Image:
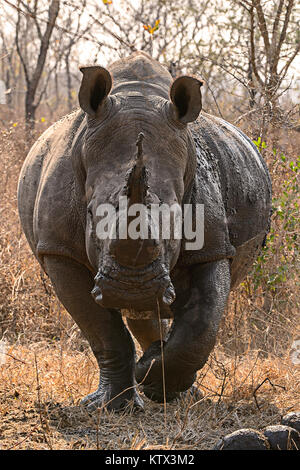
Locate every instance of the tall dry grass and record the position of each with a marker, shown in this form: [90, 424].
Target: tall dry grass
[254, 342]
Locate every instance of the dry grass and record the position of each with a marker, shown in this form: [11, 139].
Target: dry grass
[48, 365]
[42, 385]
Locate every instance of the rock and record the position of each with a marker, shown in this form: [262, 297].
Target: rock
[292, 419]
[243, 439]
[282, 437]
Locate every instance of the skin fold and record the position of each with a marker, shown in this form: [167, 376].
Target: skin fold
[138, 134]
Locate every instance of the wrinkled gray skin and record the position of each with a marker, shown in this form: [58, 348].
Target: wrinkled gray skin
[91, 157]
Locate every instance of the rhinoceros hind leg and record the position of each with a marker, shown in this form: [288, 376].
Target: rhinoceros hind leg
[147, 331]
[104, 329]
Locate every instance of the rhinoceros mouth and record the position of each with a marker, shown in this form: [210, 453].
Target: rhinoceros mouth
[134, 289]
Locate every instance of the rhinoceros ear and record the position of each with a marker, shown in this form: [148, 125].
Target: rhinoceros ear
[95, 87]
[185, 95]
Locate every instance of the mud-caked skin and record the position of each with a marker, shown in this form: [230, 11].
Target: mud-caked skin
[140, 135]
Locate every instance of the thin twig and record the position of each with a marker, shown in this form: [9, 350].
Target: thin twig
[245, 115]
[190, 406]
[25, 438]
[162, 364]
[40, 403]
[13, 357]
[265, 380]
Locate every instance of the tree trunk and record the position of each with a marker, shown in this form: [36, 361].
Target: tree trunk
[30, 110]
[69, 83]
[33, 79]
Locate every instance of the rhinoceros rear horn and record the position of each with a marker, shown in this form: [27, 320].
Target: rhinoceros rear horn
[185, 95]
[95, 87]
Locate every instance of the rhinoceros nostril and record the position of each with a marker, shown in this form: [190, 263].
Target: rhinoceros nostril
[169, 295]
[97, 294]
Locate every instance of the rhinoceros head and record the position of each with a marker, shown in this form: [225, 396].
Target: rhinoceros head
[136, 154]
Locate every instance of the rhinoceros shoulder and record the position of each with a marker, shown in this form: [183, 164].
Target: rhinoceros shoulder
[46, 199]
[233, 183]
[244, 179]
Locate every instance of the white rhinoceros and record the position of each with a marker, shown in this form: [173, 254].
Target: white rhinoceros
[142, 137]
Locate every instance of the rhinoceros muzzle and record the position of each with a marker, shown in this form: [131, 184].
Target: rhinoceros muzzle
[132, 289]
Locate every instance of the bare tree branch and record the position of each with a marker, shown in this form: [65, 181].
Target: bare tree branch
[282, 35]
[262, 24]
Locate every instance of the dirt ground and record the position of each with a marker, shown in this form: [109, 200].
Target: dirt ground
[40, 390]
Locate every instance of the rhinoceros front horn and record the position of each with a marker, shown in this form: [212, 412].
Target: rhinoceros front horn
[95, 87]
[132, 252]
[137, 185]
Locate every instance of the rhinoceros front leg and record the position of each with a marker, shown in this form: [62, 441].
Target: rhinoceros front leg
[105, 331]
[196, 320]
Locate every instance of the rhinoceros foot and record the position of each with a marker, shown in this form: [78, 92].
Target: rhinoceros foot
[127, 401]
[161, 383]
[193, 393]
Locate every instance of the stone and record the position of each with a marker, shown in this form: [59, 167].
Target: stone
[292, 419]
[282, 437]
[243, 439]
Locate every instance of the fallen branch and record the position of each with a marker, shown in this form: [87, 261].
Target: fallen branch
[13, 357]
[23, 440]
[258, 387]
